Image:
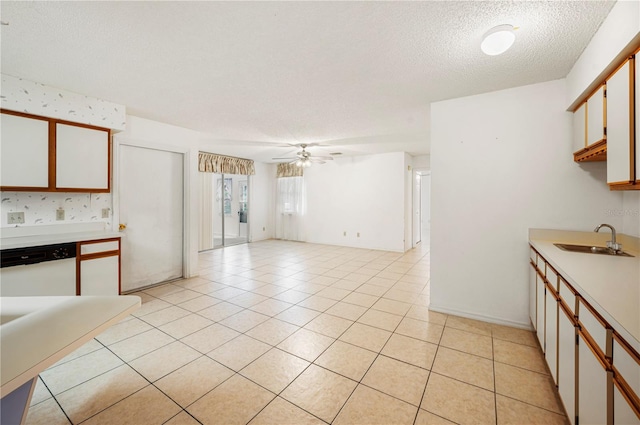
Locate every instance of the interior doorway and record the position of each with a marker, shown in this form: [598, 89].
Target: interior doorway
[151, 214]
[224, 215]
[421, 207]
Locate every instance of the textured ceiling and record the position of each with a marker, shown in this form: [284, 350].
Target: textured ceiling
[355, 75]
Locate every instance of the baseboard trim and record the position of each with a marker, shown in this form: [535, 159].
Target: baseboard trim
[480, 317]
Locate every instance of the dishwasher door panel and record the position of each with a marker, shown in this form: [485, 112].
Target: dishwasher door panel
[51, 278]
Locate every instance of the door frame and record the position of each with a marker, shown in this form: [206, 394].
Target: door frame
[417, 173]
[118, 141]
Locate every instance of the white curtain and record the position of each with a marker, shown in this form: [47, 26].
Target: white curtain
[291, 208]
[206, 211]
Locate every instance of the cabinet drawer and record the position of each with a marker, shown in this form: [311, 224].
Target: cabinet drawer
[594, 325]
[552, 278]
[542, 265]
[92, 248]
[567, 295]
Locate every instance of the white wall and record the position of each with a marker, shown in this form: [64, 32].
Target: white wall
[631, 213]
[618, 31]
[364, 194]
[422, 162]
[501, 164]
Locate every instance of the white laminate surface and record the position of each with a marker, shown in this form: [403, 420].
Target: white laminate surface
[611, 284]
[39, 331]
[49, 239]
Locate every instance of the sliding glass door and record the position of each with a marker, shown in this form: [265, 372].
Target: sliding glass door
[224, 210]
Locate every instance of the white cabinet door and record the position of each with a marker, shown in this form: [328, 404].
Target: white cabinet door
[623, 414]
[532, 295]
[24, 158]
[551, 334]
[82, 158]
[540, 311]
[595, 117]
[567, 363]
[99, 276]
[592, 387]
[579, 128]
[619, 140]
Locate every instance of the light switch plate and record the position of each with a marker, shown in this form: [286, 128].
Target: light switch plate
[59, 214]
[105, 213]
[15, 218]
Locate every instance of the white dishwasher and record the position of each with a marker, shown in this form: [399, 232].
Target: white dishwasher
[48, 270]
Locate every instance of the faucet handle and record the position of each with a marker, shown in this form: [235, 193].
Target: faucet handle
[614, 246]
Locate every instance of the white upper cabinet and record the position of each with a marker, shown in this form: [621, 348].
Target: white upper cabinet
[619, 131]
[579, 128]
[82, 158]
[24, 157]
[46, 155]
[595, 117]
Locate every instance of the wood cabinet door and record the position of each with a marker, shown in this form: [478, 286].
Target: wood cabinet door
[82, 158]
[579, 128]
[619, 135]
[540, 311]
[567, 362]
[551, 334]
[595, 117]
[532, 295]
[24, 160]
[592, 387]
[99, 276]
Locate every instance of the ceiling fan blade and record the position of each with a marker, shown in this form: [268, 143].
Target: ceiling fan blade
[288, 158]
[327, 158]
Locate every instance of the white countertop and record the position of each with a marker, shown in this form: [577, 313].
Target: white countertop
[609, 283]
[49, 239]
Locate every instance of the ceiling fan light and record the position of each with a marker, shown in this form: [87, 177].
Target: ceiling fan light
[498, 40]
[299, 163]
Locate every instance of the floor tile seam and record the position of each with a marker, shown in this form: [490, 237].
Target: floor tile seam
[563, 414]
[464, 382]
[155, 349]
[89, 379]
[59, 406]
[467, 331]
[166, 323]
[515, 342]
[434, 414]
[465, 352]
[176, 415]
[391, 395]
[114, 403]
[60, 362]
[542, 374]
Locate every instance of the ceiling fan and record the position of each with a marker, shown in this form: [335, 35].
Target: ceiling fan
[303, 158]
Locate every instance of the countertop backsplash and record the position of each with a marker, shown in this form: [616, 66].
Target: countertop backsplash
[40, 207]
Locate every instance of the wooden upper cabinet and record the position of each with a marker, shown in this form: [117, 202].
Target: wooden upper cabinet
[48, 155]
[589, 128]
[580, 128]
[82, 158]
[24, 156]
[596, 117]
[620, 134]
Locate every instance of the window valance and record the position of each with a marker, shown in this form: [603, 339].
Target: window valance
[213, 163]
[288, 170]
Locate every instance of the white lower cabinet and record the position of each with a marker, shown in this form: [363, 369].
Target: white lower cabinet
[567, 356]
[540, 310]
[551, 334]
[592, 387]
[596, 369]
[99, 276]
[532, 295]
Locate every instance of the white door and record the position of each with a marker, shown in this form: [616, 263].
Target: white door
[425, 209]
[151, 207]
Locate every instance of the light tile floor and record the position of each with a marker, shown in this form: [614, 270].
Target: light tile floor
[290, 333]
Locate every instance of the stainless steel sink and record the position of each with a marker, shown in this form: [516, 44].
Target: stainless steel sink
[588, 249]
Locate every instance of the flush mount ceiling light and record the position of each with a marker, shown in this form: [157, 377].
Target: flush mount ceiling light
[498, 40]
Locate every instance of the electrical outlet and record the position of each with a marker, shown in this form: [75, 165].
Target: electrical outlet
[358, 234]
[15, 218]
[105, 213]
[344, 233]
[59, 214]
[264, 229]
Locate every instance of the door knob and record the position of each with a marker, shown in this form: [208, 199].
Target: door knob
[122, 227]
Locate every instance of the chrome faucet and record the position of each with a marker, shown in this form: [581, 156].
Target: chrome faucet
[612, 244]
